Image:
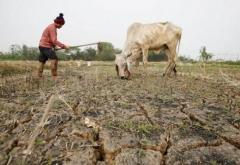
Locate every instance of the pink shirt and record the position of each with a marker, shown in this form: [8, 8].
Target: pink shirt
[49, 38]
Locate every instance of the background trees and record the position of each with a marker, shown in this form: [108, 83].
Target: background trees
[104, 52]
[204, 55]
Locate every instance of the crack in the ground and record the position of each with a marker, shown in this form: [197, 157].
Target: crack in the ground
[162, 147]
[168, 145]
[74, 107]
[200, 145]
[144, 111]
[194, 119]
[110, 157]
[12, 144]
[191, 116]
[232, 142]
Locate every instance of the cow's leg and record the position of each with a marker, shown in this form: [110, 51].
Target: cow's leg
[117, 70]
[137, 62]
[171, 68]
[173, 62]
[145, 57]
[174, 70]
[168, 53]
[166, 69]
[145, 60]
[171, 53]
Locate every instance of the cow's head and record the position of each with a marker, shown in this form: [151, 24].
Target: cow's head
[122, 66]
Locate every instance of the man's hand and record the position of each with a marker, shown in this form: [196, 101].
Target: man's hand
[66, 46]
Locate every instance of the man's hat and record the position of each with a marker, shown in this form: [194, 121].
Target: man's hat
[60, 20]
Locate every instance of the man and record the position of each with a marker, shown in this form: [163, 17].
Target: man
[48, 43]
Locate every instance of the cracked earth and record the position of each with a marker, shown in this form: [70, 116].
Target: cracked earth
[148, 120]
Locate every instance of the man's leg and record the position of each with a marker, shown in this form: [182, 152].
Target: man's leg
[54, 64]
[40, 69]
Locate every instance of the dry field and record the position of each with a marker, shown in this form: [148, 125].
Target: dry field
[90, 117]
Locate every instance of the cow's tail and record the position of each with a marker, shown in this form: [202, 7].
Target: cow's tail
[179, 41]
[178, 45]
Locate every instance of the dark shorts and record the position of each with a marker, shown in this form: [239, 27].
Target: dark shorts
[47, 53]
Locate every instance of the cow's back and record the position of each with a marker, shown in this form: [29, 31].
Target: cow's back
[150, 33]
[158, 33]
[151, 36]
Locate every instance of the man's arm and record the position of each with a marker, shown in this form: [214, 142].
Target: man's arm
[53, 38]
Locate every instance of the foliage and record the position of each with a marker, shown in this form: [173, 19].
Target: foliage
[155, 56]
[231, 62]
[17, 52]
[204, 55]
[186, 59]
[106, 52]
[88, 54]
[139, 128]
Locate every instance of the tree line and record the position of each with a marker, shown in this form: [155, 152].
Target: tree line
[24, 52]
[104, 52]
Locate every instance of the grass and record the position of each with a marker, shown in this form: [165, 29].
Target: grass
[20, 67]
[213, 162]
[39, 141]
[142, 129]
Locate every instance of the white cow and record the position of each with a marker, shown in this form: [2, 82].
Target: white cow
[144, 37]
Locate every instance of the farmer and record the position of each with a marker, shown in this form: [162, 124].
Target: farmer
[48, 43]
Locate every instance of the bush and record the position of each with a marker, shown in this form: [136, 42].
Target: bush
[186, 59]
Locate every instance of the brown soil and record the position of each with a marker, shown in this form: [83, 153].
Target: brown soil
[148, 120]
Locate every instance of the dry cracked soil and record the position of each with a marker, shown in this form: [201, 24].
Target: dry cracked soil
[148, 120]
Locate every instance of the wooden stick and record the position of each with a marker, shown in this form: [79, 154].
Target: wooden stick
[36, 132]
[79, 46]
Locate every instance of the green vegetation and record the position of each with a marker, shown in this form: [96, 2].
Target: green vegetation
[105, 52]
[17, 52]
[230, 62]
[204, 55]
[186, 59]
[153, 56]
[140, 128]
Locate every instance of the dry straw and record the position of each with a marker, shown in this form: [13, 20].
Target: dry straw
[38, 128]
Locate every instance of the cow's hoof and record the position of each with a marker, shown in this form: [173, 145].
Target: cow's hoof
[124, 78]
